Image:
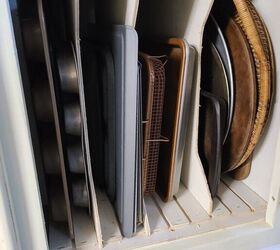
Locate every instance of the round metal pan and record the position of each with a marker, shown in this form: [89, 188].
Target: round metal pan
[216, 36]
[76, 158]
[67, 69]
[210, 140]
[72, 118]
[80, 193]
[214, 79]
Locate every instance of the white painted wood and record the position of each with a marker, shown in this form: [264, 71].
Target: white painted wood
[219, 224]
[108, 221]
[190, 205]
[252, 235]
[265, 153]
[156, 220]
[7, 230]
[231, 201]
[274, 198]
[172, 212]
[193, 175]
[84, 232]
[219, 209]
[254, 201]
[146, 222]
[131, 12]
[17, 159]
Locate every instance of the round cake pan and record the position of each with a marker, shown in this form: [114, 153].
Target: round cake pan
[76, 158]
[72, 119]
[80, 193]
[67, 70]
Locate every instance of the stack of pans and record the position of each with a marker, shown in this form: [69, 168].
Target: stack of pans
[72, 121]
[56, 104]
[44, 114]
[167, 72]
[237, 89]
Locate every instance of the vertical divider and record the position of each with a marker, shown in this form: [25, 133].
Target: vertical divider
[193, 175]
[146, 222]
[75, 21]
[131, 12]
[56, 117]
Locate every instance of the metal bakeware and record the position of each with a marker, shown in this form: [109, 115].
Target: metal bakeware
[125, 52]
[216, 36]
[183, 110]
[178, 73]
[72, 118]
[245, 108]
[261, 47]
[211, 137]
[213, 113]
[109, 114]
[67, 69]
[80, 192]
[75, 155]
[49, 60]
[153, 75]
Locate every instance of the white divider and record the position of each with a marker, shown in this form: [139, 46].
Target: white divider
[172, 212]
[146, 222]
[189, 204]
[74, 8]
[265, 153]
[117, 11]
[183, 19]
[156, 220]
[109, 223]
[193, 175]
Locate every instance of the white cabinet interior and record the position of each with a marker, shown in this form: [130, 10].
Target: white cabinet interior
[193, 211]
